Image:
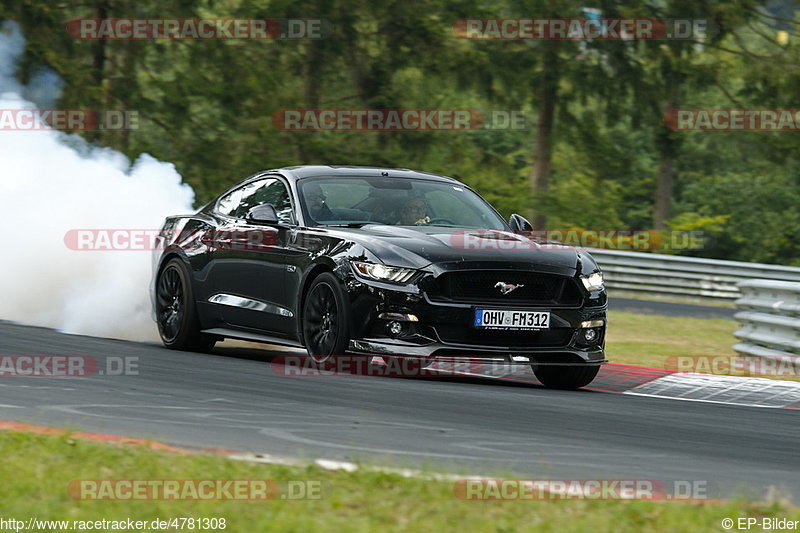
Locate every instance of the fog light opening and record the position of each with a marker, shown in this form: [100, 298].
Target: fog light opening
[590, 335]
[395, 328]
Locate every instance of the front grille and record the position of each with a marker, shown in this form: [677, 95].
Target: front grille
[480, 287]
[482, 337]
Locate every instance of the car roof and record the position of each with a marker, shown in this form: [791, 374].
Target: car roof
[333, 171]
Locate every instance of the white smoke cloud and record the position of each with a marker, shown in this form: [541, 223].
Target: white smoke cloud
[52, 182]
[44, 89]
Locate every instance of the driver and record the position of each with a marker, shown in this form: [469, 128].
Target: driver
[414, 212]
[315, 200]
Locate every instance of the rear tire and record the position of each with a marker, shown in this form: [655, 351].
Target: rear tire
[326, 319]
[566, 377]
[176, 312]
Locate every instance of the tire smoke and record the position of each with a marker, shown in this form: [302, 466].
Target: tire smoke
[52, 182]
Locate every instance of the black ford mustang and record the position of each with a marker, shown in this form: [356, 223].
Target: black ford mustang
[388, 262]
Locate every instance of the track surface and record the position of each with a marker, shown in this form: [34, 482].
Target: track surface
[654, 307]
[233, 399]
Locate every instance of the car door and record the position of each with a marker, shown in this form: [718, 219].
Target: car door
[250, 259]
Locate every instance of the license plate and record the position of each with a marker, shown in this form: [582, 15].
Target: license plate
[510, 319]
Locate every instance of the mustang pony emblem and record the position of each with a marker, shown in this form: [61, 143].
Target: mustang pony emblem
[505, 288]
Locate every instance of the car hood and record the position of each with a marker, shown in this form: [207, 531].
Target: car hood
[456, 248]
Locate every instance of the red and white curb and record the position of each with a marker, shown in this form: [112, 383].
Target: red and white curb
[732, 390]
[670, 384]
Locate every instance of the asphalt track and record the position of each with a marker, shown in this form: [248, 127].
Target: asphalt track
[234, 399]
[654, 307]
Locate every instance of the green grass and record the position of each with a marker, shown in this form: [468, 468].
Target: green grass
[650, 340]
[36, 470]
[647, 340]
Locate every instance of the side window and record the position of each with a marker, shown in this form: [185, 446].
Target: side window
[228, 203]
[266, 191]
[274, 192]
[250, 197]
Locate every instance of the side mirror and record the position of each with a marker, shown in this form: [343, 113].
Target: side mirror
[262, 214]
[519, 223]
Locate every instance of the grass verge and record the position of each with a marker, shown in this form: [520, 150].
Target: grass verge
[649, 340]
[36, 470]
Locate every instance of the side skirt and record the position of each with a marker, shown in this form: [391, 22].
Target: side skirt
[254, 337]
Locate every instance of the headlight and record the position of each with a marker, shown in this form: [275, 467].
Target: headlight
[593, 282]
[383, 272]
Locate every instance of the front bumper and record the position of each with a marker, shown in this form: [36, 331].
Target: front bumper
[444, 331]
[446, 352]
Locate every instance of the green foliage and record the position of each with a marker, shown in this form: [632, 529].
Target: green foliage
[207, 106]
[579, 197]
[749, 217]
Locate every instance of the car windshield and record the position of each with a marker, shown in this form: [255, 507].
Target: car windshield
[343, 201]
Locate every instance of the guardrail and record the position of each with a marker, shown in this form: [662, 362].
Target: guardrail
[770, 318]
[672, 275]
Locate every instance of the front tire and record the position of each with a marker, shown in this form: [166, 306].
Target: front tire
[326, 319]
[176, 313]
[565, 377]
